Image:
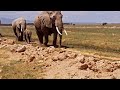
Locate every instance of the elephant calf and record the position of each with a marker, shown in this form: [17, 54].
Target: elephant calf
[27, 35]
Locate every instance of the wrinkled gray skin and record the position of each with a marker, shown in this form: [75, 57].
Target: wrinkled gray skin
[46, 23]
[27, 35]
[19, 25]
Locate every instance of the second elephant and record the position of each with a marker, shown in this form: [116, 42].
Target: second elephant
[49, 22]
[19, 25]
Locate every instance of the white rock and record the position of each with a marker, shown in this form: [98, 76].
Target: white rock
[21, 49]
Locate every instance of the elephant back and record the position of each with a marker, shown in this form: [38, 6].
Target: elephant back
[46, 21]
[43, 20]
[19, 23]
[37, 22]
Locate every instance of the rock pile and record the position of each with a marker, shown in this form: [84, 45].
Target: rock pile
[63, 63]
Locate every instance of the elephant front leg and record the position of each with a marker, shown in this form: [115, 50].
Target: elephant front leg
[55, 40]
[29, 38]
[60, 42]
[19, 34]
[46, 40]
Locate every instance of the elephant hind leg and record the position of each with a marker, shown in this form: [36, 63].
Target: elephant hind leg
[55, 40]
[40, 37]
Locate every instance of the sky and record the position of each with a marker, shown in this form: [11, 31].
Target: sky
[70, 16]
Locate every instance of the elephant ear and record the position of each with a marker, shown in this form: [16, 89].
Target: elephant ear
[46, 21]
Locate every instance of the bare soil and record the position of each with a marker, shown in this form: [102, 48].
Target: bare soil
[25, 61]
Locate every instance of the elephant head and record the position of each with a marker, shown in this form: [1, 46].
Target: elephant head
[57, 17]
[19, 25]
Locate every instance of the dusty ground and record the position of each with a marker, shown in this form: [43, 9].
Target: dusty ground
[30, 62]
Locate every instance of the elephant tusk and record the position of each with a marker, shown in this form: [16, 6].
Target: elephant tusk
[65, 32]
[21, 29]
[58, 30]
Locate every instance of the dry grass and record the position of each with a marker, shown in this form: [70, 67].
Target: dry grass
[99, 41]
[14, 69]
[96, 41]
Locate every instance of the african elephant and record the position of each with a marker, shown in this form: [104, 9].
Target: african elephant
[27, 35]
[19, 25]
[49, 22]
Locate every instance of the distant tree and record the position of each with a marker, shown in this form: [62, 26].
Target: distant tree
[104, 24]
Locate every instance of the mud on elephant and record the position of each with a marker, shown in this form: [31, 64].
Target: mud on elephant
[19, 25]
[47, 23]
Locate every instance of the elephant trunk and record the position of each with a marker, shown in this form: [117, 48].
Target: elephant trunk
[59, 31]
[59, 27]
[23, 26]
[21, 29]
[60, 42]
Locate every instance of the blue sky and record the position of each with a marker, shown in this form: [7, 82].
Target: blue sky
[70, 16]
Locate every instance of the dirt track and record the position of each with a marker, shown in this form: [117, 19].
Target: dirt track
[56, 63]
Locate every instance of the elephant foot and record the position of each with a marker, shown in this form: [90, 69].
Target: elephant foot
[56, 46]
[60, 46]
[45, 45]
[28, 42]
[41, 45]
[20, 39]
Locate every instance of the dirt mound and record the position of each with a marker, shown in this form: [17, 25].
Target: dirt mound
[59, 63]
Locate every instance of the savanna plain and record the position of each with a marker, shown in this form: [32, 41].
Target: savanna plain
[91, 51]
